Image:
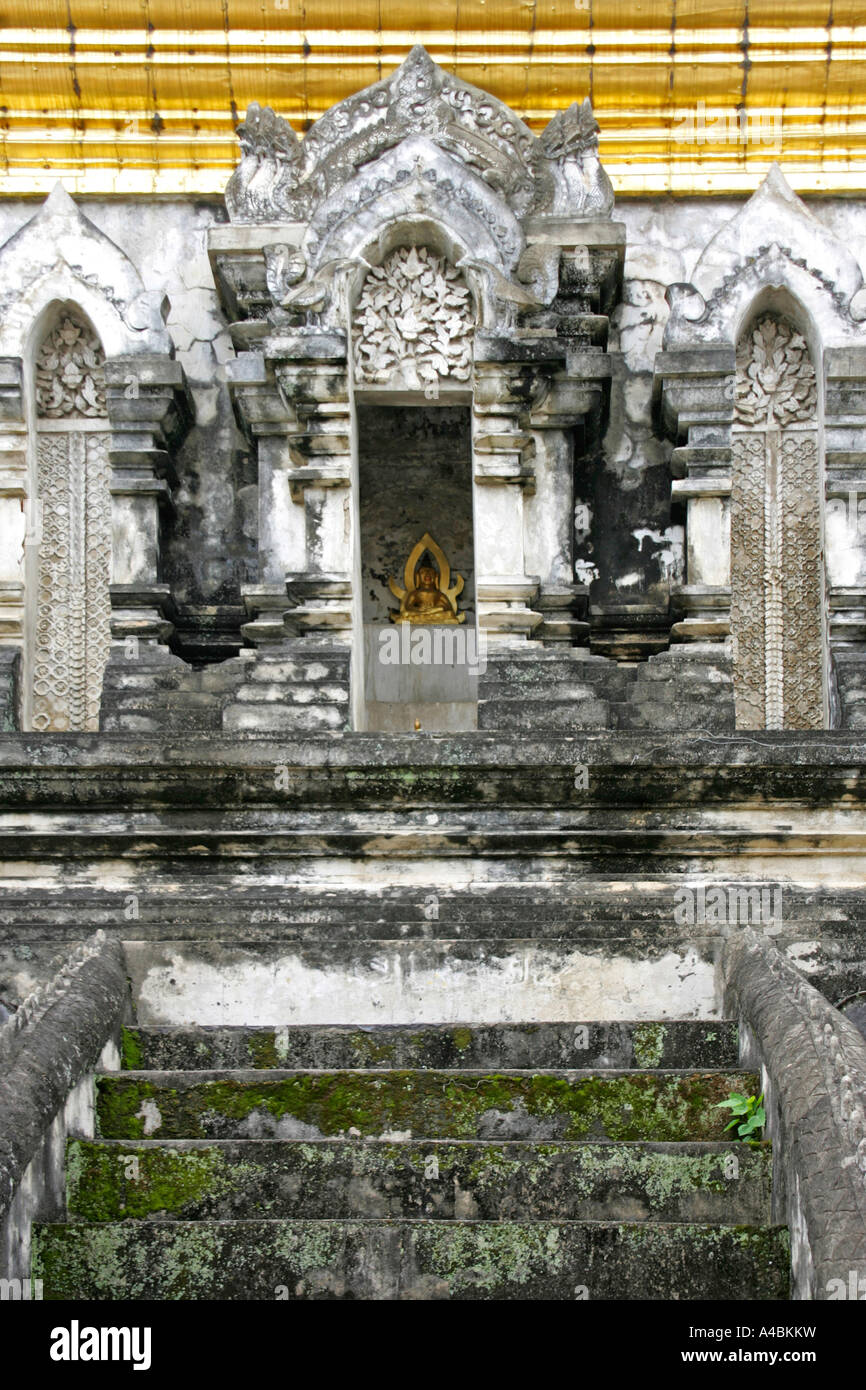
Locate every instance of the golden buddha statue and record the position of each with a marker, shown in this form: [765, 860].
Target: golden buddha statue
[427, 594]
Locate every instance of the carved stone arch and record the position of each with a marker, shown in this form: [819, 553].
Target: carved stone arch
[718, 319]
[772, 257]
[416, 179]
[774, 239]
[61, 255]
[419, 160]
[59, 263]
[435, 231]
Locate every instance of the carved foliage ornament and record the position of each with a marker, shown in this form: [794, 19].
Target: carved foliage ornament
[775, 377]
[69, 377]
[413, 321]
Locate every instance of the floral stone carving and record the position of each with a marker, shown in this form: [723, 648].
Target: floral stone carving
[69, 378]
[776, 584]
[414, 323]
[775, 377]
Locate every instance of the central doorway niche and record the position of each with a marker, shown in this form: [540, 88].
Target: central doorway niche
[415, 479]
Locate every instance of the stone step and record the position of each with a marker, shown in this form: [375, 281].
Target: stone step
[283, 718]
[541, 667]
[554, 691]
[524, 713]
[378, 1260]
[695, 1043]
[273, 671]
[669, 715]
[664, 1106]
[294, 693]
[727, 1184]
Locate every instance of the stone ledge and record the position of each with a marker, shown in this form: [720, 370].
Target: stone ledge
[814, 1064]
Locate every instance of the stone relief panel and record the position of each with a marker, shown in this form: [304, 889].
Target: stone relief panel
[776, 551]
[413, 325]
[775, 376]
[69, 378]
[73, 609]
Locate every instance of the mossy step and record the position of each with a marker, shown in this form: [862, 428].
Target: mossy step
[409, 1259]
[696, 1043]
[447, 1180]
[665, 1106]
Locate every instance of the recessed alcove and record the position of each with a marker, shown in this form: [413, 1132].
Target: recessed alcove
[415, 480]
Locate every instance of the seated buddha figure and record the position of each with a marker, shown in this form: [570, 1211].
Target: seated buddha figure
[426, 603]
[427, 594]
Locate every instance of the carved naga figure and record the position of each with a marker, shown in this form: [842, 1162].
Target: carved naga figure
[263, 185]
[570, 145]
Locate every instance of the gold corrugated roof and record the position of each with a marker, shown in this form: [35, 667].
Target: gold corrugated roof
[141, 96]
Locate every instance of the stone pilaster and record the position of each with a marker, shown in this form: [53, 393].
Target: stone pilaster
[16, 525]
[149, 411]
[694, 397]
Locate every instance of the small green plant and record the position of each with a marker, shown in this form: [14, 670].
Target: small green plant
[748, 1112]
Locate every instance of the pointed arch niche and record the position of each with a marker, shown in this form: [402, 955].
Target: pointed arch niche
[69, 624]
[777, 580]
[92, 405]
[760, 385]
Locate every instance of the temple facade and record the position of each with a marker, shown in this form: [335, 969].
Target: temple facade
[634, 434]
[432, 664]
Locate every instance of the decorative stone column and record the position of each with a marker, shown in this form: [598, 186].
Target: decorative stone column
[61, 269]
[13, 509]
[16, 527]
[149, 411]
[694, 391]
[293, 398]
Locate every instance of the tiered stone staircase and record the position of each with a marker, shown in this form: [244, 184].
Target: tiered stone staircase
[507, 1161]
[563, 691]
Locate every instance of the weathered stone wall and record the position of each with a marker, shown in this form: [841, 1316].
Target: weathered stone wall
[628, 544]
[209, 545]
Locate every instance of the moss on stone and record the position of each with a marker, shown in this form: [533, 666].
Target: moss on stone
[262, 1050]
[649, 1044]
[131, 1051]
[625, 1106]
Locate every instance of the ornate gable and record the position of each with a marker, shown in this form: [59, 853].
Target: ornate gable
[283, 178]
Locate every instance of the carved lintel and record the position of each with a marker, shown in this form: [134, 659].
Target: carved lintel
[414, 323]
